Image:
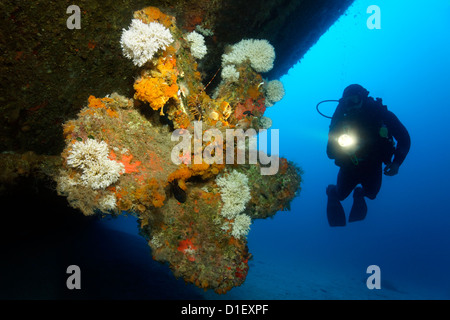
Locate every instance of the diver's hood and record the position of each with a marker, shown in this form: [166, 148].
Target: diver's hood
[344, 102]
[355, 89]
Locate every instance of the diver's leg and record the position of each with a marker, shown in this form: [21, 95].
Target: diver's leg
[335, 211]
[347, 180]
[371, 184]
[337, 193]
[359, 207]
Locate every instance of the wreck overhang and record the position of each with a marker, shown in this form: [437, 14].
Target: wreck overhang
[48, 70]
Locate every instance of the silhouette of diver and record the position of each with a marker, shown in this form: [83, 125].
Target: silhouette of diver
[361, 138]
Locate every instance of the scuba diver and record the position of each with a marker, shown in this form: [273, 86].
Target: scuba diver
[361, 138]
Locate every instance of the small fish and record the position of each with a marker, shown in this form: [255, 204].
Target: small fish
[177, 192]
[248, 113]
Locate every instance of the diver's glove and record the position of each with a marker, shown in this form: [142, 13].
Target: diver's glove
[391, 169]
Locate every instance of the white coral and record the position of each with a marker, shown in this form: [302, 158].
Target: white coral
[157, 240]
[83, 154]
[197, 42]
[241, 226]
[229, 73]
[65, 183]
[97, 170]
[107, 203]
[260, 53]
[274, 92]
[265, 122]
[235, 193]
[141, 41]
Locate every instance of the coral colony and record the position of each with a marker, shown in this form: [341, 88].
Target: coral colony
[195, 199]
[214, 151]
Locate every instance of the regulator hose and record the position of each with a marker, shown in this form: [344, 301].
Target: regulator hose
[317, 107]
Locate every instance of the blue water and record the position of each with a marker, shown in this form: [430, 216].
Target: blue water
[407, 230]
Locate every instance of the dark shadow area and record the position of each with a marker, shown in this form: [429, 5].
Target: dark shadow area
[41, 236]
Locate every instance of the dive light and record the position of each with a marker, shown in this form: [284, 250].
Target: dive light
[346, 140]
[348, 144]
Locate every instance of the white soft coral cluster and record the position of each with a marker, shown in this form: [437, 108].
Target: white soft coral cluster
[97, 170]
[235, 194]
[107, 203]
[197, 42]
[260, 53]
[141, 41]
[241, 226]
[229, 73]
[274, 91]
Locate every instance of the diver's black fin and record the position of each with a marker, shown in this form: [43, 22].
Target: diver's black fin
[359, 208]
[335, 211]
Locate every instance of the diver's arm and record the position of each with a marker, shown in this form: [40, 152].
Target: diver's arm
[400, 134]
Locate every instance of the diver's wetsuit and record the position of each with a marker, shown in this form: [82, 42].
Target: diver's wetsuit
[370, 154]
[363, 165]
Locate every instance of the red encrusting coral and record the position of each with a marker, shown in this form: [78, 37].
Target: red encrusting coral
[187, 248]
[186, 245]
[257, 108]
[126, 161]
